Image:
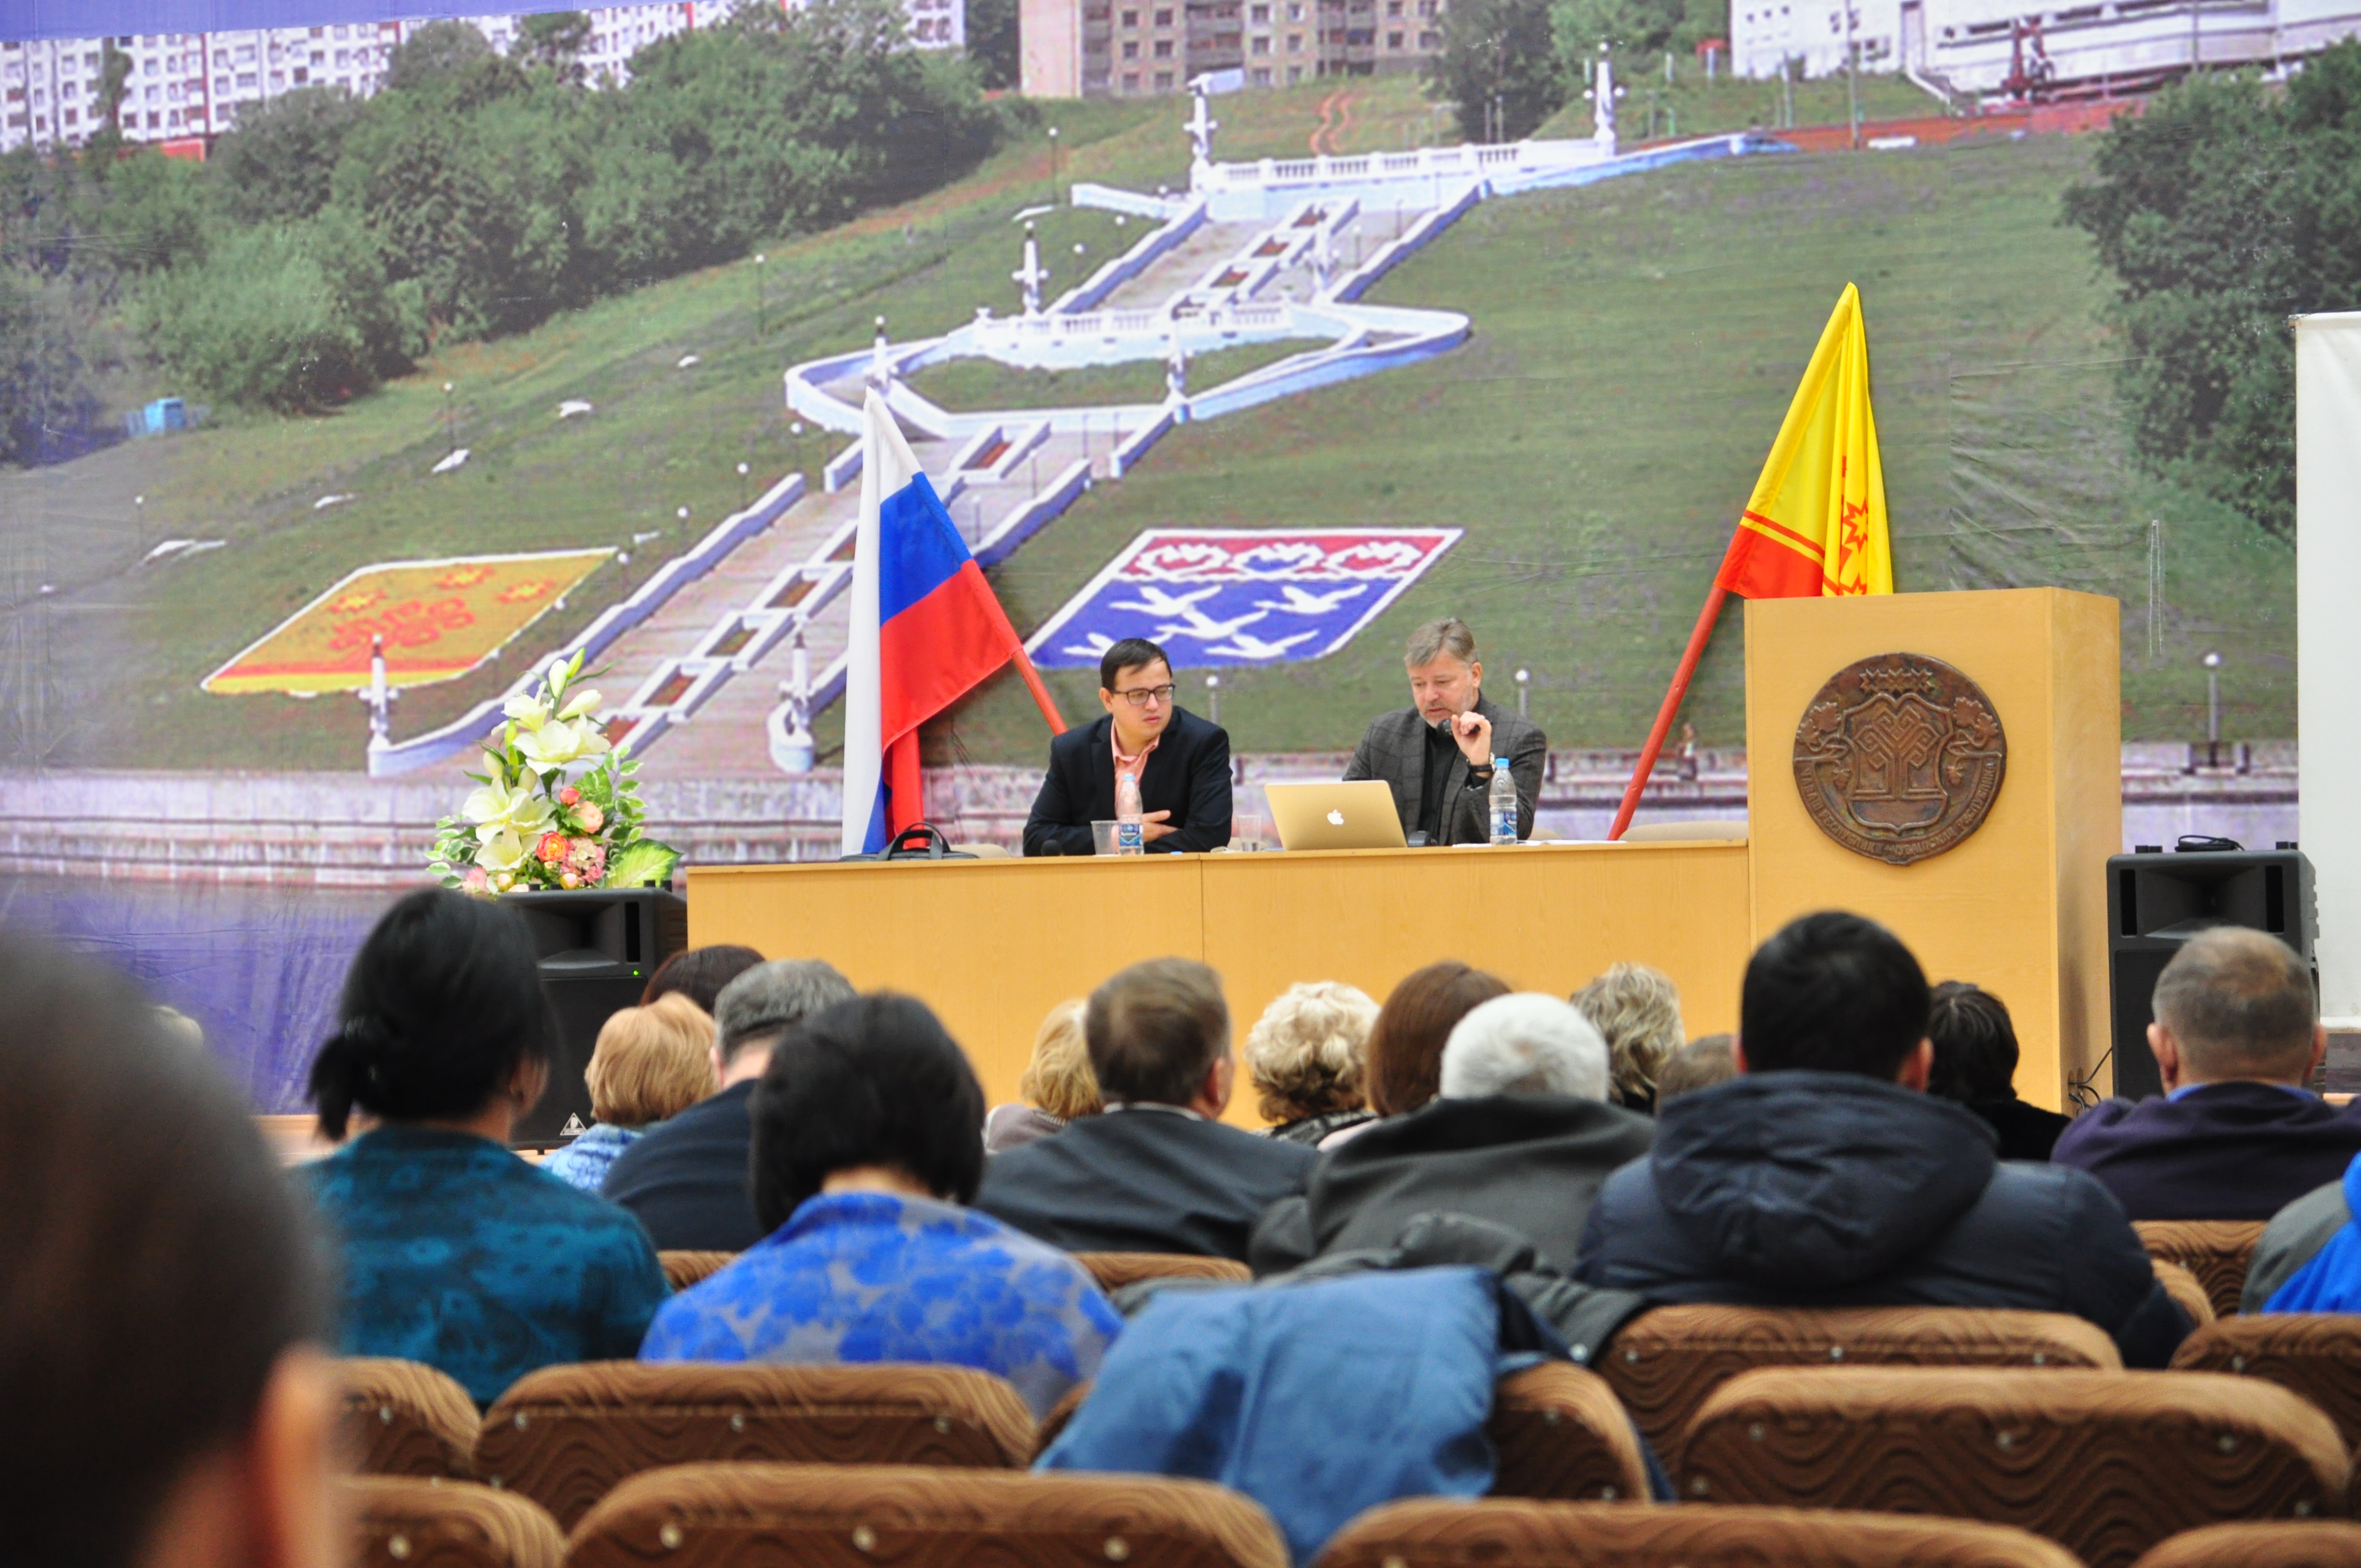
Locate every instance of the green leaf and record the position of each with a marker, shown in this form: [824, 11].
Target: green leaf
[644, 863]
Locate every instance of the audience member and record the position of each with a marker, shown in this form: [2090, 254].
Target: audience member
[865, 1153]
[1637, 1010]
[1821, 1176]
[2309, 1259]
[163, 1397]
[1702, 1063]
[456, 1252]
[1521, 1137]
[650, 1063]
[1975, 1064]
[2236, 1134]
[1404, 1054]
[688, 1179]
[1054, 1087]
[700, 974]
[1157, 1172]
[1303, 1057]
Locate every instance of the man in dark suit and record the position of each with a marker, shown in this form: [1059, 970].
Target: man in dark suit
[1157, 1172]
[1181, 762]
[2237, 1135]
[1438, 752]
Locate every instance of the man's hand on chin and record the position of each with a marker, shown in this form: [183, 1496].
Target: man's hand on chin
[1474, 733]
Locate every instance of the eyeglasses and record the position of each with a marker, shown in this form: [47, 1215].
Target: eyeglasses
[1138, 696]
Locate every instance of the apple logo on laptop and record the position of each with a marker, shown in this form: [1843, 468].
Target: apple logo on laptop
[1335, 819]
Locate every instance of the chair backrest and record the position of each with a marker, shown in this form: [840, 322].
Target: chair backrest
[405, 1522]
[2315, 1544]
[404, 1417]
[2106, 1464]
[1663, 1364]
[2216, 1251]
[2316, 1354]
[2185, 1289]
[564, 1436]
[1557, 1430]
[1433, 1533]
[1113, 1270]
[683, 1269]
[1560, 1433]
[721, 1516]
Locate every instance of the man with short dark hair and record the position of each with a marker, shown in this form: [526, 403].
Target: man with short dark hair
[1157, 1172]
[1438, 753]
[1824, 1176]
[687, 1178]
[1179, 762]
[2237, 1135]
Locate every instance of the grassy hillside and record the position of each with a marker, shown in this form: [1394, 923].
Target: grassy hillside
[1636, 342]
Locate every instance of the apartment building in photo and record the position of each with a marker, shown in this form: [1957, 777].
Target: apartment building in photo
[1128, 48]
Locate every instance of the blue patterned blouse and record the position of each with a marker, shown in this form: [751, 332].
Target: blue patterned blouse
[867, 1277]
[458, 1254]
[584, 1163]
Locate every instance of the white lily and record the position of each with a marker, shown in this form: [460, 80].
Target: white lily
[502, 850]
[496, 808]
[557, 743]
[530, 711]
[579, 704]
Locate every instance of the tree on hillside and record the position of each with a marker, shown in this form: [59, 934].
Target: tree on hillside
[114, 85]
[150, 210]
[555, 40]
[46, 407]
[992, 43]
[277, 165]
[2222, 210]
[1498, 68]
[436, 52]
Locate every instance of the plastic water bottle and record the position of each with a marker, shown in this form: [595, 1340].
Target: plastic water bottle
[1504, 803]
[1130, 832]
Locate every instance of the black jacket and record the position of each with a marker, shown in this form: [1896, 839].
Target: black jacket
[1187, 774]
[1532, 1164]
[2026, 1131]
[1394, 749]
[2222, 1151]
[1144, 1181]
[688, 1179]
[1832, 1190]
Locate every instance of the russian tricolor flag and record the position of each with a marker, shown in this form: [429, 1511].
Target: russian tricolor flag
[926, 628]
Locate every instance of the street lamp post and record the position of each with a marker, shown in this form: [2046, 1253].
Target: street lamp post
[761, 301]
[450, 426]
[1213, 698]
[1524, 679]
[1053, 163]
[743, 471]
[2212, 711]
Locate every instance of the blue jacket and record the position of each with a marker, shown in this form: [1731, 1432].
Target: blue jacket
[2309, 1259]
[2239, 1150]
[1833, 1189]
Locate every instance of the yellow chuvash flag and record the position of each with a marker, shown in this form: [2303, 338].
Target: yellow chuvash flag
[1816, 523]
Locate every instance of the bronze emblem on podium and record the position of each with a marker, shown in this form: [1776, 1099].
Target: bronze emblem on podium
[1899, 757]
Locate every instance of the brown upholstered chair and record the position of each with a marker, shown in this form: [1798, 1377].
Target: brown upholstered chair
[1557, 1430]
[2106, 1464]
[1433, 1532]
[1663, 1364]
[683, 1269]
[564, 1436]
[721, 1516]
[404, 1522]
[2316, 1544]
[2316, 1354]
[2185, 1288]
[2216, 1251]
[1113, 1270]
[404, 1417]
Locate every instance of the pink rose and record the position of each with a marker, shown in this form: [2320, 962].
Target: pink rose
[589, 814]
[552, 849]
[476, 883]
[569, 795]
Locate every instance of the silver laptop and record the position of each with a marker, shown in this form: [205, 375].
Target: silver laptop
[1356, 815]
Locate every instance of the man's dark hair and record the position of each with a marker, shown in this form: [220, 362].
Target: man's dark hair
[1833, 992]
[699, 973]
[441, 1006]
[154, 1263]
[1975, 1045]
[1155, 1029]
[1131, 654]
[875, 1081]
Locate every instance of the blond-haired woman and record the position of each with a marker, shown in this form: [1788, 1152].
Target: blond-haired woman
[1057, 1087]
[1637, 1010]
[1305, 1056]
[651, 1064]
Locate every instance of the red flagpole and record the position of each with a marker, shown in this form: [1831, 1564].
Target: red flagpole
[1041, 698]
[1679, 689]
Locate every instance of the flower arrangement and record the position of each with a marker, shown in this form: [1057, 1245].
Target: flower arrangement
[558, 809]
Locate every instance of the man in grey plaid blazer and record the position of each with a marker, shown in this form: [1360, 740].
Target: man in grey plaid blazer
[1437, 754]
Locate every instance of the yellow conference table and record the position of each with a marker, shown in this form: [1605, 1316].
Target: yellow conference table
[992, 945]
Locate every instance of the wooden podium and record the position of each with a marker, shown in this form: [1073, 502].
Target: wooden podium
[2019, 907]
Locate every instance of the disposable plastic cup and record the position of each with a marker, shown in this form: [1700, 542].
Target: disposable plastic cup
[1103, 837]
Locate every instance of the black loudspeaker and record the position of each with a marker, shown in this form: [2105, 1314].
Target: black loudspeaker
[2156, 901]
[597, 950]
